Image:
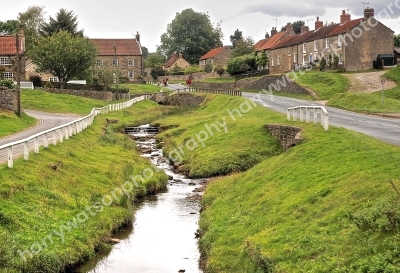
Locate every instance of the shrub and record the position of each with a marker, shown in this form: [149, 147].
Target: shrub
[36, 80]
[208, 67]
[241, 64]
[7, 83]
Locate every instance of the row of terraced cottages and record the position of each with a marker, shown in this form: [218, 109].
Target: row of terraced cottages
[355, 43]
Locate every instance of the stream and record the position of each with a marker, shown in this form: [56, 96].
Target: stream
[162, 236]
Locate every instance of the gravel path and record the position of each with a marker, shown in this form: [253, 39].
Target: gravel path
[368, 82]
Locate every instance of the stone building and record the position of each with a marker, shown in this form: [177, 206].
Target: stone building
[124, 55]
[216, 56]
[8, 56]
[355, 43]
[175, 60]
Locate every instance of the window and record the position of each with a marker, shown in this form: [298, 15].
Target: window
[7, 75]
[131, 62]
[327, 42]
[295, 58]
[131, 74]
[279, 60]
[340, 58]
[311, 58]
[99, 62]
[5, 61]
[53, 79]
[272, 62]
[304, 59]
[304, 48]
[315, 46]
[340, 37]
[115, 62]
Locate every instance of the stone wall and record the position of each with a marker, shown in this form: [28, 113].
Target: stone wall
[98, 95]
[8, 99]
[288, 135]
[196, 76]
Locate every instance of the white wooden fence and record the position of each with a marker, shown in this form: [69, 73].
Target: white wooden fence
[62, 131]
[25, 85]
[305, 112]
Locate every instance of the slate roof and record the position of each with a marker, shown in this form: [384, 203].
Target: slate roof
[212, 53]
[124, 47]
[8, 45]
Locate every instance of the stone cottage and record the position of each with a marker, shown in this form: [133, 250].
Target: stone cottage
[8, 56]
[175, 60]
[216, 56]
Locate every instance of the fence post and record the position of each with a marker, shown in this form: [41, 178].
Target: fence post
[315, 115]
[294, 115]
[10, 157]
[54, 138]
[307, 115]
[326, 125]
[288, 114]
[45, 141]
[36, 145]
[301, 115]
[26, 150]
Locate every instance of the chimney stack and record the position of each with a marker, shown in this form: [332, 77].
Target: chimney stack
[304, 28]
[138, 37]
[369, 13]
[344, 17]
[289, 27]
[273, 31]
[266, 35]
[318, 24]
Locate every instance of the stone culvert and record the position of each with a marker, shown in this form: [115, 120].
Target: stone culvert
[184, 99]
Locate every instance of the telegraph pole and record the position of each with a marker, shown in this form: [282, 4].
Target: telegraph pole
[116, 69]
[18, 75]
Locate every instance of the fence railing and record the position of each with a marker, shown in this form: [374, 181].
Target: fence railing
[25, 85]
[60, 132]
[304, 112]
[212, 91]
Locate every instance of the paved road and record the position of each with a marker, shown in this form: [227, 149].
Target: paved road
[385, 129]
[45, 121]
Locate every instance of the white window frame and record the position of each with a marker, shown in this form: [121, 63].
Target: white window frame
[304, 48]
[115, 61]
[279, 60]
[53, 79]
[327, 42]
[8, 75]
[131, 62]
[5, 61]
[272, 62]
[340, 58]
[315, 46]
[131, 74]
[295, 57]
[99, 62]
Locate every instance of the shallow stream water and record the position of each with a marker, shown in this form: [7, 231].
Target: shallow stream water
[162, 236]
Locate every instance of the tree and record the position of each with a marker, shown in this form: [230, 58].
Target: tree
[64, 55]
[262, 59]
[219, 69]
[237, 35]
[241, 64]
[145, 52]
[9, 27]
[65, 20]
[190, 33]
[397, 40]
[153, 60]
[243, 47]
[296, 27]
[32, 20]
[208, 67]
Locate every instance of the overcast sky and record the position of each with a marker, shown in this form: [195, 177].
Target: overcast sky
[122, 18]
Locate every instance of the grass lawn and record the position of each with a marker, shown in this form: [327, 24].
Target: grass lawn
[62, 189]
[58, 103]
[10, 123]
[142, 88]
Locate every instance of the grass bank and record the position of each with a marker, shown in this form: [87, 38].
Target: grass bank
[61, 205]
[58, 103]
[10, 123]
[141, 88]
[326, 205]
[223, 136]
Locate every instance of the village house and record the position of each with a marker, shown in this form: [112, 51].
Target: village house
[123, 54]
[216, 56]
[355, 44]
[175, 60]
[8, 56]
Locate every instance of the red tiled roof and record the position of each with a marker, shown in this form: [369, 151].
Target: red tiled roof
[259, 44]
[174, 57]
[344, 27]
[273, 40]
[212, 53]
[8, 45]
[124, 47]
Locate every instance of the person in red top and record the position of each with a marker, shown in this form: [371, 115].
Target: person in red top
[188, 83]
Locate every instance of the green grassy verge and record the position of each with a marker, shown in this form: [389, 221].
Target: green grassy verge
[217, 80]
[141, 88]
[60, 103]
[324, 84]
[223, 136]
[11, 123]
[64, 188]
[323, 206]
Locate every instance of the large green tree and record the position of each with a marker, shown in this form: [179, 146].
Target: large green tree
[397, 40]
[237, 35]
[192, 34]
[9, 27]
[64, 20]
[32, 20]
[64, 55]
[243, 46]
[153, 60]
